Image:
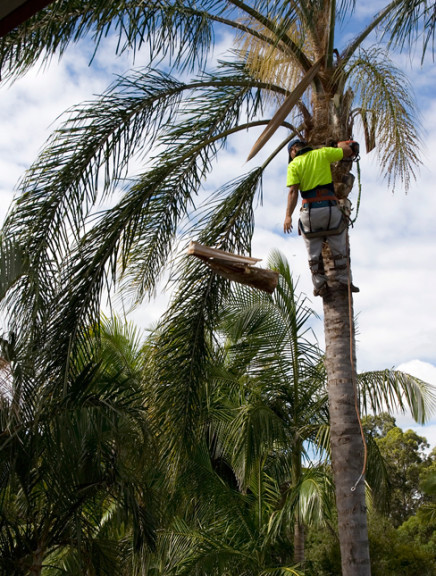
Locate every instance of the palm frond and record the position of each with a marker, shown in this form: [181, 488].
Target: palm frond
[311, 500]
[377, 475]
[63, 185]
[184, 343]
[12, 264]
[392, 390]
[412, 21]
[204, 551]
[385, 93]
[176, 30]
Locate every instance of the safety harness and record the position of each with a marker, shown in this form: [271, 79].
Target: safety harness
[319, 197]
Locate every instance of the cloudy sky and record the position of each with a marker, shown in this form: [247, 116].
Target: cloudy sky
[393, 242]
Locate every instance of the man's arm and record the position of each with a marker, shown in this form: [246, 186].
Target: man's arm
[290, 207]
[348, 151]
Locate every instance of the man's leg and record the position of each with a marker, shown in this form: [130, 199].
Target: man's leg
[339, 250]
[316, 265]
[309, 219]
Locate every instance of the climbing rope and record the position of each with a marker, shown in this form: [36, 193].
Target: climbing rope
[353, 371]
[359, 195]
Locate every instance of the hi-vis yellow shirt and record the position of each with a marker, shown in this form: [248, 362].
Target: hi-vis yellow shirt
[312, 168]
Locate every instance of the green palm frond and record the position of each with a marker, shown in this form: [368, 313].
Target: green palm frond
[145, 221]
[311, 500]
[87, 156]
[177, 30]
[184, 344]
[272, 329]
[13, 264]
[208, 491]
[385, 95]
[412, 22]
[211, 114]
[323, 438]
[377, 475]
[255, 430]
[204, 551]
[393, 390]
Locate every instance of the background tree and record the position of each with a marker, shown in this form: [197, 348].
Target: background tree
[404, 454]
[72, 474]
[261, 432]
[421, 528]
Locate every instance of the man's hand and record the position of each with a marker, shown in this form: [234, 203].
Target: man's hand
[351, 148]
[290, 207]
[287, 226]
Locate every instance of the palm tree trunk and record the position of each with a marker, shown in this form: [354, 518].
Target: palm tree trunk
[36, 568]
[347, 447]
[299, 541]
[299, 554]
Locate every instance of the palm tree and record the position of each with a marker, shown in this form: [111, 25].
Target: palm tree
[73, 254]
[261, 429]
[272, 345]
[72, 474]
[241, 485]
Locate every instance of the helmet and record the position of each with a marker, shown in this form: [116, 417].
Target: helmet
[294, 142]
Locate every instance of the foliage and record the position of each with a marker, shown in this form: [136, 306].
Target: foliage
[393, 551]
[323, 553]
[404, 456]
[391, 555]
[71, 474]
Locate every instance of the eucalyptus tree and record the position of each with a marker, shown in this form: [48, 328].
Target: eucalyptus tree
[74, 252]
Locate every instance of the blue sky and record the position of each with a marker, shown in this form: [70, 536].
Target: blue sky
[393, 243]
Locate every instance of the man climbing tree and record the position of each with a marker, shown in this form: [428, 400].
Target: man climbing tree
[321, 217]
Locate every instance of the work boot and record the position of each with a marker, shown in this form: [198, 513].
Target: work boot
[353, 288]
[322, 290]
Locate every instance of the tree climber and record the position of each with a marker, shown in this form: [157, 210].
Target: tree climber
[320, 216]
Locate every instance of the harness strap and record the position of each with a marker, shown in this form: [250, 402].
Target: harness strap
[322, 233]
[320, 198]
[318, 195]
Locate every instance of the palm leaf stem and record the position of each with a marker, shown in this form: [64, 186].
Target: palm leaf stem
[331, 35]
[356, 43]
[293, 48]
